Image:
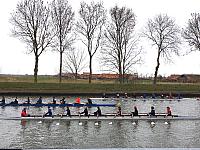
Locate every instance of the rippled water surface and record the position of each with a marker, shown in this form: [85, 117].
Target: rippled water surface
[119, 134]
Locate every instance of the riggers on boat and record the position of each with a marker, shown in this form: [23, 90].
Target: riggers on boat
[107, 116]
[60, 105]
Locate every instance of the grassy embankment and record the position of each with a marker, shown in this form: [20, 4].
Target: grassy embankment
[49, 84]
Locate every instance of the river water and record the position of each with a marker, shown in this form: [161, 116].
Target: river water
[34, 134]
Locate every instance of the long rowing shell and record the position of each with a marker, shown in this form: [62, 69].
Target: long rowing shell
[105, 117]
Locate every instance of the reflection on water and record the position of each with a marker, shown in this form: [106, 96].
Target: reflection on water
[103, 134]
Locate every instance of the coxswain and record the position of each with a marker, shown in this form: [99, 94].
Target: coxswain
[3, 101]
[54, 100]
[78, 100]
[169, 112]
[135, 113]
[39, 101]
[119, 111]
[24, 113]
[85, 111]
[152, 113]
[49, 112]
[98, 112]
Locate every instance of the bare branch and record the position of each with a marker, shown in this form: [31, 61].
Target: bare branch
[31, 24]
[89, 28]
[119, 52]
[164, 34]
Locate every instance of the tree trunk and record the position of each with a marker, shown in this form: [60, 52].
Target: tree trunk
[60, 73]
[120, 71]
[157, 67]
[90, 75]
[36, 68]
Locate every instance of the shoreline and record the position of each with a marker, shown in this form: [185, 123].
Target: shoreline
[99, 94]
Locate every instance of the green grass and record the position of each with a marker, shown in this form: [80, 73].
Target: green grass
[49, 84]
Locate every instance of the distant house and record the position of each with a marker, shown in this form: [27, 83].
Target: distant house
[190, 78]
[103, 76]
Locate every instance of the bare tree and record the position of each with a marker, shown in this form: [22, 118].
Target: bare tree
[89, 27]
[119, 53]
[63, 17]
[164, 34]
[192, 32]
[32, 25]
[74, 62]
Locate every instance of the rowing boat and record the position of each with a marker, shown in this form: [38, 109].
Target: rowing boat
[61, 105]
[141, 99]
[106, 117]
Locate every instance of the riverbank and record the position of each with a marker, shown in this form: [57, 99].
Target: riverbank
[97, 89]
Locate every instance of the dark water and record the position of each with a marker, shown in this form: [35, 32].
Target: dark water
[120, 134]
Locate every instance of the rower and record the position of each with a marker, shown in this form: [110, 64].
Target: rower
[28, 101]
[39, 101]
[126, 95]
[135, 113]
[78, 100]
[24, 113]
[54, 100]
[85, 112]
[49, 112]
[68, 112]
[89, 101]
[3, 101]
[119, 111]
[117, 95]
[152, 113]
[15, 101]
[169, 112]
[62, 101]
[98, 112]
[153, 96]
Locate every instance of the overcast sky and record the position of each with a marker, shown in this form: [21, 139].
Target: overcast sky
[14, 60]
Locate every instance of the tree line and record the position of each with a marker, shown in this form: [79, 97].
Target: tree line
[52, 26]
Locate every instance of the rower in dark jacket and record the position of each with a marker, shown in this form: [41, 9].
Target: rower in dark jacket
[15, 101]
[3, 101]
[49, 112]
[89, 101]
[169, 111]
[98, 112]
[68, 112]
[54, 100]
[135, 113]
[39, 101]
[119, 111]
[152, 113]
[85, 112]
